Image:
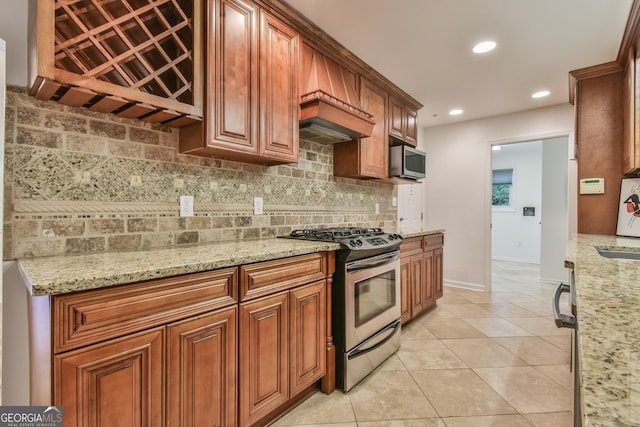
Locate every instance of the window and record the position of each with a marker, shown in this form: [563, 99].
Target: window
[502, 185]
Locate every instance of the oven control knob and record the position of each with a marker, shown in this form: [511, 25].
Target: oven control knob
[359, 242]
[352, 243]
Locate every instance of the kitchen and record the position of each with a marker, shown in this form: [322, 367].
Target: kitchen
[117, 181]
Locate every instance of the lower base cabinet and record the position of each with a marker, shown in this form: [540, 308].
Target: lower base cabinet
[421, 262]
[230, 347]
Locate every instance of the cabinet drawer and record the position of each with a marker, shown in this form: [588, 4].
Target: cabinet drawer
[433, 241]
[410, 246]
[264, 278]
[84, 318]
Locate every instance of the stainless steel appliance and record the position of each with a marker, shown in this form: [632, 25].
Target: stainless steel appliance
[567, 321]
[366, 298]
[406, 162]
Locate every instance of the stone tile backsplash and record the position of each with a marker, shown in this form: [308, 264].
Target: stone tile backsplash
[80, 181]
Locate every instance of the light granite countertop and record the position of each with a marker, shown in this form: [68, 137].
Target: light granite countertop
[420, 233]
[608, 312]
[63, 274]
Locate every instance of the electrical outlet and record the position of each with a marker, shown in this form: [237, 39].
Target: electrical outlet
[186, 205]
[258, 206]
[377, 208]
[394, 201]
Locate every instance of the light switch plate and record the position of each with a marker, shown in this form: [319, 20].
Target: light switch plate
[258, 207]
[186, 205]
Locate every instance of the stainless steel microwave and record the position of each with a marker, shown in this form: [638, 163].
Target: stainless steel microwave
[406, 162]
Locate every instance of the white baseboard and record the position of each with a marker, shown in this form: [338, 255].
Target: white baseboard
[464, 285]
[528, 261]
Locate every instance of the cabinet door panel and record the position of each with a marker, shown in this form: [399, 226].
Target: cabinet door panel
[308, 335]
[201, 370]
[417, 280]
[396, 118]
[279, 58]
[428, 299]
[235, 113]
[437, 273]
[119, 383]
[411, 123]
[405, 289]
[264, 361]
[375, 149]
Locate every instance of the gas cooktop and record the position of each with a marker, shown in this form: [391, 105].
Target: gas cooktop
[356, 242]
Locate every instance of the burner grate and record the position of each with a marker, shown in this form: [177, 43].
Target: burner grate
[337, 233]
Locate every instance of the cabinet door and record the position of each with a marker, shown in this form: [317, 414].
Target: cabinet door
[374, 150]
[417, 280]
[405, 289]
[308, 335]
[264, 360]
[437, 273]
[232, 76]
[118, 383]
[396, 118]
[428, 286]
[411, 126]
[202, 370]
[279, 58]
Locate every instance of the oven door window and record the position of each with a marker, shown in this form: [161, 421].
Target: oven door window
[374, 296]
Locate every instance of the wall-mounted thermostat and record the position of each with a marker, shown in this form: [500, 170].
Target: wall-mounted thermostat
[592, 186]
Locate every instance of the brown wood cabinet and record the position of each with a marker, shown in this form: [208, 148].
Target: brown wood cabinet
[631, 117]
[420, 274]
[182, 351]
[366, 157]
[251, 91]
[403, 122]
[132, 59]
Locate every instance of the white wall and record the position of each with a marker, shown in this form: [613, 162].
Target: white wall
[13, 29]
[457, 194]
[515, 237]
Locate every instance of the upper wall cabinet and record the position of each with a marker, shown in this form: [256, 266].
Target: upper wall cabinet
[135, 59]
[403, 122]
[251, 95]
[366, 157]
[631, 108]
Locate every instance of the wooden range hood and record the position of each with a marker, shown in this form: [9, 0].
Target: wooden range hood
[330, 109]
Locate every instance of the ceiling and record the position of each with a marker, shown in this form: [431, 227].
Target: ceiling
[424, 47]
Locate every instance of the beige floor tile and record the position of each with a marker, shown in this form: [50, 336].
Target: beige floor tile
[389, 395]
[488, 421]
[527, 390]
[438, 312]
[417, 331]
[553, 419]
[506, 310]
[540, 308]
[321, 409]
[424, 422]
[535, 350]
[540, 326]
[468, 310]
[482, 352]
[479, 297]
[460, 392]
[563, 342]
[560, 374]
[428, 354]
[497, 327]
[450, 297]
[451, 328]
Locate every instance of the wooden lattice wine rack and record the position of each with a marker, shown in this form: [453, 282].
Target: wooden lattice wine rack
[133, 58]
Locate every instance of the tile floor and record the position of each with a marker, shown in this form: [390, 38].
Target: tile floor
[478, 359]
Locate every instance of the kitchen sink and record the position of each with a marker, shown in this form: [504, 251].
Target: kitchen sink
[619, 253]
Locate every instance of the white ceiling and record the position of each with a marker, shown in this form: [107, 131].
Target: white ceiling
[424, 47]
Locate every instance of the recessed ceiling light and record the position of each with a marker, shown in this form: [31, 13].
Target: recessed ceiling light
[455, 112]
[484, 47]
[541, 94]
[495, 148]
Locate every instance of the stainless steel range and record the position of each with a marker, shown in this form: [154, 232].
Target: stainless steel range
[366, 298]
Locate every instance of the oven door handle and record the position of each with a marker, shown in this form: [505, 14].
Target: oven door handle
[562, 320]
[378, 263]
[394, 327]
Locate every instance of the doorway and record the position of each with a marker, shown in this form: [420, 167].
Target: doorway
[530, 205]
